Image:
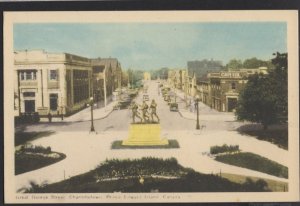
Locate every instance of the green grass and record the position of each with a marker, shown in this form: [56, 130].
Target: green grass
[125, 175]
[274, 186]
[23, 137]
[25, 162]
[275, 136]
[172, 144]
[224, 148]
[254, 162]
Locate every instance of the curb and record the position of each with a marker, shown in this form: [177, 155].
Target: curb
[184, 116]
[76, 121]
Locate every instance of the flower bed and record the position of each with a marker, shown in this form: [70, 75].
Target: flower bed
[31, 157]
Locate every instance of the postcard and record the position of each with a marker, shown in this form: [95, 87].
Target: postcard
[151, 106]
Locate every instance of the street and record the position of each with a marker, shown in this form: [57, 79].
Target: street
[119, 120]
[86, 150]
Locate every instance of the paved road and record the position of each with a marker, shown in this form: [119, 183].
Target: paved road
[119, 120]
[80, 146]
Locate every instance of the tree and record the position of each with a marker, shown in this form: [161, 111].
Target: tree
[234, 64]
[255, 63]
[161, 73]
[264, 99]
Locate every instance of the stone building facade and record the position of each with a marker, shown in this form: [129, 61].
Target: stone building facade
[225, 86]
[56, 83]
[107, 77]
[219, 90]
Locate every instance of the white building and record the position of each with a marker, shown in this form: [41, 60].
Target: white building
[59, 83]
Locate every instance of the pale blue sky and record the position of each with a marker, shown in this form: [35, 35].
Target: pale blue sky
[156, 45]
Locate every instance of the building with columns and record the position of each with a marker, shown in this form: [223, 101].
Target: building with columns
[56, 83]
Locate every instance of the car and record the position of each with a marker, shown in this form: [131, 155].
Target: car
[173, 107]
[123, 104]
[145, 97]
[166, 97]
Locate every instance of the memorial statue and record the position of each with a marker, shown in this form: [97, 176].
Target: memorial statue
[153, 106]
[135, 113]
[144, 109]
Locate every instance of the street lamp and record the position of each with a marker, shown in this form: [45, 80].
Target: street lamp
[92, 118]
[197, 105]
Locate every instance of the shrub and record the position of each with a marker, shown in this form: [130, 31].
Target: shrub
[35, 149]
[138, 167]
[224, 148]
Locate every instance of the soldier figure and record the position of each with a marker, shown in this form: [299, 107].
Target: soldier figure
[135, 112]
[144, 109]
[153, 110]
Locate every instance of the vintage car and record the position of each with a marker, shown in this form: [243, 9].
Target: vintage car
[173, 107]
[123, 104]
[145, 97]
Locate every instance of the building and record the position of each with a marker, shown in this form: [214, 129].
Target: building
[56, 83]
[147, 76]
[107, 74]
[223, 88]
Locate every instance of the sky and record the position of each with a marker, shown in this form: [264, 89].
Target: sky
[155, 45]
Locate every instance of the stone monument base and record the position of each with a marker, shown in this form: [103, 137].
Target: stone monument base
[145, 135]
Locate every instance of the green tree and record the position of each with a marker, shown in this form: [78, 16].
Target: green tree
[255, 63]
[234, 64]
[135, 77]
[264, 99]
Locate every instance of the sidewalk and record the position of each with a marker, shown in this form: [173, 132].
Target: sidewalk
[95, 148]
[85, 114]
[205, 112]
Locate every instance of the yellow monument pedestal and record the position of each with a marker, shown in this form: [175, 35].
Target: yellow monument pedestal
[145, 135]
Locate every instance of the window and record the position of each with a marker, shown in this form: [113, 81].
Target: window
[53, 101]
[28, 75]
[233, 86]
[53, 75]
[29, 94]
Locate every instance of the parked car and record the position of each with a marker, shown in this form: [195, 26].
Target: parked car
[123, 104]
[173, 107]
[145, 97]
[166, 97]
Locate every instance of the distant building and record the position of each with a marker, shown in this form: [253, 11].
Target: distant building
[107, 73]
[201, 68]
[56, 83]
[223, 88]
[147, 76]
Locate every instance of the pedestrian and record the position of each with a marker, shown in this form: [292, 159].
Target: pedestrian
[49, 117]
[153, 110]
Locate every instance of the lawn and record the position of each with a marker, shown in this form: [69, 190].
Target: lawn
[254, 162]
[278, 136]
[147, 175]
[30, 157]
[29, 162]
[275, 186]
[23, 137]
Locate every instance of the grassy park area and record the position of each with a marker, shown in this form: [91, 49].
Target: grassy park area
[254, 162]
[147, 175]
[22, 137]
[30, 157]
[276, 134]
